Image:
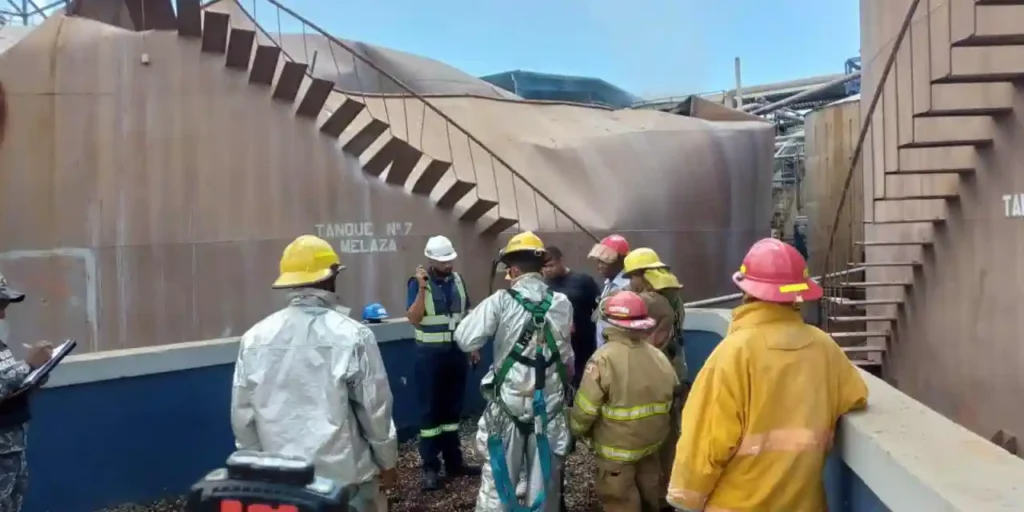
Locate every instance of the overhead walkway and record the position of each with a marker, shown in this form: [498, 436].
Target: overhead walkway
[136, 425]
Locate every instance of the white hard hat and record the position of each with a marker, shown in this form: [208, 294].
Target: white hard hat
[439, 248]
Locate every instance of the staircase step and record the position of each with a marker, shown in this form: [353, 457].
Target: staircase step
[867, 302]
[240, 48]
[863, 350]
[859, 334]
[871, 284]
[952, 131]
[264, 66]
[864, 318]
[478, 209]
[396, 154]
[903, 211]
[150, 14]
[497, 224]
[939, 186]
[996, 24]
[290, 81]
[366, 136]
[981, 63]
[190, 18]
[875, 264]
[454, 194]
[948, 159]
[867, 364]
[972, 98]
[215, 32]
[342, 117]
[314, 98]
[893, 243]
[431, 175]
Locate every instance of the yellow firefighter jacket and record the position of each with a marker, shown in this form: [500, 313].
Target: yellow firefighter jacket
[624, 398]
[761, 414]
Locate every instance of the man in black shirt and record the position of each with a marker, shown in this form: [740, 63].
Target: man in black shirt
[583, 292]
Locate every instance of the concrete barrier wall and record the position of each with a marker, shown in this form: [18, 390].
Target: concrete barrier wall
[137, 425]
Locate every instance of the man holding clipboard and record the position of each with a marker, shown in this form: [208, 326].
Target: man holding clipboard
[14, 411]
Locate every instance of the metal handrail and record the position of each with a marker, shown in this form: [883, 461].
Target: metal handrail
[419, 97]
[866, 124]
[736, 296]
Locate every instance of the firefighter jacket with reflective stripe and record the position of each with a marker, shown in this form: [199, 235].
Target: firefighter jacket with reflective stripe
[759, 419]
[441, 313]
[625, 396]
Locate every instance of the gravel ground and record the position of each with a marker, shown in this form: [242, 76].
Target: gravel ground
[459, 495]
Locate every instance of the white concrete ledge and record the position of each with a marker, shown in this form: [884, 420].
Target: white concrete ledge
[135, 362]
[916, 460]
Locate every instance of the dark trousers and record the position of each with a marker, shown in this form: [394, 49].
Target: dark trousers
[441, 371]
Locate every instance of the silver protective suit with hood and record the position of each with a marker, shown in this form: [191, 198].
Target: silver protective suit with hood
[310, 381]
[501, 317]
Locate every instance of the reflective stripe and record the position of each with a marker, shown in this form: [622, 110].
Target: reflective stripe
[624, 455]
[436, 431]
[622, 413]
[584, 404]
[430, 432]
[433, 337]
[785, 440]
[686, 499]
[434, 328]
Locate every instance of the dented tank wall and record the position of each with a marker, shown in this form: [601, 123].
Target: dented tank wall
[149, 204]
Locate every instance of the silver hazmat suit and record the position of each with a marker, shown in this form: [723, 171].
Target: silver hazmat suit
[500, 317]
[310, 381]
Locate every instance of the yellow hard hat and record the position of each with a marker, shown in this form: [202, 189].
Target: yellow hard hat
[307, 260]
[525, 241]
[661, 278]
[643, 258]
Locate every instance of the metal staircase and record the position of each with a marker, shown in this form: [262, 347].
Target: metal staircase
[955, 76]
[402, 139]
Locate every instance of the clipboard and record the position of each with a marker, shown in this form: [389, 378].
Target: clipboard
[39, 375]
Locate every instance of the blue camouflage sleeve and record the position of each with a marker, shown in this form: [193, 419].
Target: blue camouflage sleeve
[12, 372]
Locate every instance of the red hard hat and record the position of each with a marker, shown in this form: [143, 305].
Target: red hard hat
[773, 271]
[610, 248]
[627, 310]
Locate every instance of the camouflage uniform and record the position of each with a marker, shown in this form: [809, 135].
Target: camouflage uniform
[13, 468]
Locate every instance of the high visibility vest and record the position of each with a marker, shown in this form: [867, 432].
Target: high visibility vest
[439, 316]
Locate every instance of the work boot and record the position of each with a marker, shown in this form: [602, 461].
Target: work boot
[431, 481]
[462, 470]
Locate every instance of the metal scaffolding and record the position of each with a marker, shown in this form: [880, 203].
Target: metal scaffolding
[28, 12]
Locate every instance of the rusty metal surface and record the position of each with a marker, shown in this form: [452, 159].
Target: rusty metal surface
[159, 197]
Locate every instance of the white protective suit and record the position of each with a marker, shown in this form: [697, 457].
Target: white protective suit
[307, 380]
[501, 317]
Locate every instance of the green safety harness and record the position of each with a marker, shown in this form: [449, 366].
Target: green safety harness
[538, 326]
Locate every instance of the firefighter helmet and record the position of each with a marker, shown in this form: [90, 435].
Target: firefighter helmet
[774, 271]
[627, 310]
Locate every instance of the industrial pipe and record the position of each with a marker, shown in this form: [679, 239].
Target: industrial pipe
[736, 296]
[805, 94]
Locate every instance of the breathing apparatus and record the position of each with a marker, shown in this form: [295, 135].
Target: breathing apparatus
[258, 481]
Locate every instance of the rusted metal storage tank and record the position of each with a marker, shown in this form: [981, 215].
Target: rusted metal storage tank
[830, 135]
[149, 203]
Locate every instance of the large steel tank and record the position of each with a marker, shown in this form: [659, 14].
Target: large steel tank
[149, 204]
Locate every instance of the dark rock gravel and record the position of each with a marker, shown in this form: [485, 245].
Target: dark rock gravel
[459, 495]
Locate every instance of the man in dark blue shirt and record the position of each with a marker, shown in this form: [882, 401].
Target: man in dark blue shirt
[583, 292]
[437, 302]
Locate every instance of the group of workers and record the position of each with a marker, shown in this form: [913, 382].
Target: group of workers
[751, 434]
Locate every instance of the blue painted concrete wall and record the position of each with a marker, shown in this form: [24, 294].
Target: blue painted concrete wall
[139, 439]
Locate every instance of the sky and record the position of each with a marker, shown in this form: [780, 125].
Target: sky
[651, 48]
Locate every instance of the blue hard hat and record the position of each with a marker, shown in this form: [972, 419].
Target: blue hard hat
[374, 312]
